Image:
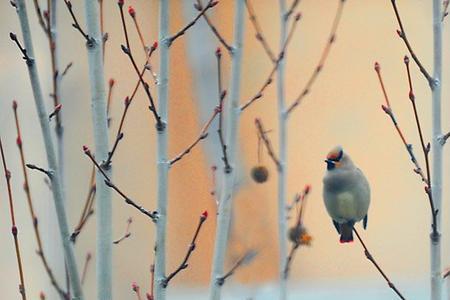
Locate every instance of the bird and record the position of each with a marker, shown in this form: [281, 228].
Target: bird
[346, 193]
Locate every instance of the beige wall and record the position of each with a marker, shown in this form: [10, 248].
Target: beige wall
[343, 108]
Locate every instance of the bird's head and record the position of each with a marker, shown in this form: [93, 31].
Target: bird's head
[337, 159]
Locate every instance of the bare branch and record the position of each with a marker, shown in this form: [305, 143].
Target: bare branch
[269, 79]
[182, 31]
[199, 7]
[402, 35]
[191, 248]
[323, 58]
[244, 260]
[267, 143]
[153, 215]
[372, 260]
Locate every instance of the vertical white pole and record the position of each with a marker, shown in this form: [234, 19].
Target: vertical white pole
[228, 180]
[100, 119]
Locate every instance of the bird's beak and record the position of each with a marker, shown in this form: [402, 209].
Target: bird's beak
[329, 161]
[331, 164]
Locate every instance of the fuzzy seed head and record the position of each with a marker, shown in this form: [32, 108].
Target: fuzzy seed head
[260, 174]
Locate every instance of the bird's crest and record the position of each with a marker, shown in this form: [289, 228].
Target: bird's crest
[335, 154]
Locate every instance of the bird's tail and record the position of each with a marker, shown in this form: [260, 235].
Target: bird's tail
[346, 230]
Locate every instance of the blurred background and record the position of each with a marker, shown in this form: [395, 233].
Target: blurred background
[343, 108]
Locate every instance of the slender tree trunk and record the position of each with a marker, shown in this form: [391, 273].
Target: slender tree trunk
[282, 133]
[228, 181]
[55, 252]
[100, 120]
[55, 179]
[436, 184]
[162, 160]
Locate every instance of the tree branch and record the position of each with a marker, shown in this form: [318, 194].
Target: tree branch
[372, 260]
[267, 143]
[191, 248]
[402, 35]
[323, 58]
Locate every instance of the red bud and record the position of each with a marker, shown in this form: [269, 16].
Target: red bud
[14, 104]
[14, 230]
[218, 52]
[41, 295]
[86, 149]
[135, 287]
[120, 2]
[149, 297]
[385, 108]
[307, 189]
[19, 141]
[377, 66]
[111, 82]
[204, 215]
[155, 45]
[131, 11]
[406, 59]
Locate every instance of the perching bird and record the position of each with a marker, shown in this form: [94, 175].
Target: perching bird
[346, 193]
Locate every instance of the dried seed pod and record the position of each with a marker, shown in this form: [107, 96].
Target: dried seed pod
[260, 174]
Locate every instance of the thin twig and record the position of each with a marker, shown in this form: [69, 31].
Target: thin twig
[244, 260]
[372, 260]
[280, 56]
[199, 7]
[87, 208]
[443, 139]
[85, 267]
[132, 13]
[221, 95]
[127, 102]
[14, 229]
[75, 23]
[137, 290]
[37, 168]
[203, 134]
[425, 149]
[55, 111]
[22, 49]
[259, 34]
[127, 233]
[40, 16]
[323, 58]
[153, 215]
[267, 143]
[291, 9]
[184, 264]
[182, 31]
[66, 69]
[34, 218]
[388, 110]
[445, 4]
[127, 50]
[298, 234]
[402, 35]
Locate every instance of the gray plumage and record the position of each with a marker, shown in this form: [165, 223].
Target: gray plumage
[346, 193]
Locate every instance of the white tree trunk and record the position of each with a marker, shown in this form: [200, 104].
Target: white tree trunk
[56, 183]
[162, 160]
[99, 115]
[282, 150]
[228, 181]
[436, 181]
